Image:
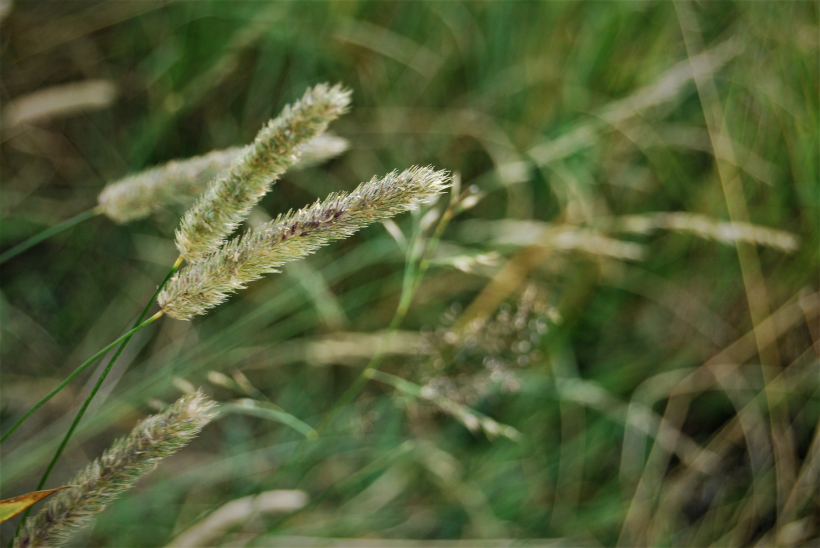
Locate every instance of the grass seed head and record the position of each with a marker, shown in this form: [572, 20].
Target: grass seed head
[137, 195]
[117, 470]
[231, 196]
[201, 286]
[180, 181]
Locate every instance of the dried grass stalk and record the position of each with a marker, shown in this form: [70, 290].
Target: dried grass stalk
[178, 181]
[118, 469]
[708, 228]
[231, 196]
[201, 286]
[238, 512]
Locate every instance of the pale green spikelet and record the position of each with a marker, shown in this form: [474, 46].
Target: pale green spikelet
[137, 195]
[116, 470]
[201, 286]
[231, 196]
[178, 181]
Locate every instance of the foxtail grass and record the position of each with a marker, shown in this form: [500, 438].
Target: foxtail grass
[117, 470]
[230, 197]
[201, 286]
[138, 195]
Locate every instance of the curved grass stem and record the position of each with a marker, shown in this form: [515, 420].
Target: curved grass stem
[48, 233]
[103, 376]
[139, 324]
[76, 372]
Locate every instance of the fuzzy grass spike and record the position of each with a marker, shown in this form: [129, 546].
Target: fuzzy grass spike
[230, 197]
[117, 470]
[178, 181]
[201, 286]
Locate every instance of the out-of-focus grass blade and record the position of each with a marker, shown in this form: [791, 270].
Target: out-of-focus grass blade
[247, 406]
[470, 418]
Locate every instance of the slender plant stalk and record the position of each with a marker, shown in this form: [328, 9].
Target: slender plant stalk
[76, 372]
[432, 245]
[48, 233]
[95, 389]
[100, 381]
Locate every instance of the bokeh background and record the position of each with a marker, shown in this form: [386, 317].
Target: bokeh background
[595, 355]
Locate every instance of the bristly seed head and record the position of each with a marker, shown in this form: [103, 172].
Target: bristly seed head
[116, 470]
[278, 145]
[180, 181]
[201, 286]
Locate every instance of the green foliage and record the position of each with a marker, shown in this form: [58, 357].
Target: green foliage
[484, 90]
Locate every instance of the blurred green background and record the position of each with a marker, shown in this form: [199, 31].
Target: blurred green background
[663, 385]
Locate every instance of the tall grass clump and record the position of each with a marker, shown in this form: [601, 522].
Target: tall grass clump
[604, 333]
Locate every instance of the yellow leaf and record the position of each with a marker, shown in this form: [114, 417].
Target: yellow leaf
[11, 507]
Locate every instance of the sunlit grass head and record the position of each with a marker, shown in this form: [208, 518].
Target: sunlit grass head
[228, 200]
[292, 236]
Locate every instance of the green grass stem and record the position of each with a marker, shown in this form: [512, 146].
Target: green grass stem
[125, 340]
[265, 410]
[76, 372]
[48, 233]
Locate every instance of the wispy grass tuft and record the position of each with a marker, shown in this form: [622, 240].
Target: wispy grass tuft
[117, 470]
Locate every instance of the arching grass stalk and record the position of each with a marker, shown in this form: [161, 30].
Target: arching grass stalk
[76, 372]
[98, 385]
[48, 233]
[102, 378]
